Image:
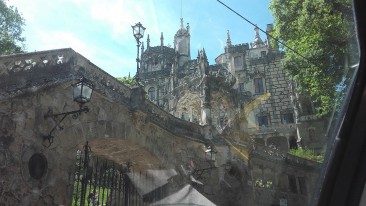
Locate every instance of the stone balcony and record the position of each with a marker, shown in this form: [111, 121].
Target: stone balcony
[273, 130]
[221, 75]
[281, 158]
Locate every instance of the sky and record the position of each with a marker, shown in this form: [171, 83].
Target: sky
[100, 30]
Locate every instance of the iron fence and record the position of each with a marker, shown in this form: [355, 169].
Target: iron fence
[101, 182]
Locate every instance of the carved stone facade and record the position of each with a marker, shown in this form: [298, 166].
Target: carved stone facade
[246, 91]
[211, 156]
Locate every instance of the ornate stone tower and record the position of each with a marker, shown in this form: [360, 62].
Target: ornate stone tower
[205, 89]
[182, 44]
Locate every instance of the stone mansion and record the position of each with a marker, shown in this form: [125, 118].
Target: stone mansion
[246, 93]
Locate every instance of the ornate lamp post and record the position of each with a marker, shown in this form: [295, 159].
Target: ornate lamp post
[138, 33]
[82, 91]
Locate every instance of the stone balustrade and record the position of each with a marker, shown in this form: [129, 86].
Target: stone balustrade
[282, 158]
[273, 130]
[175, 125]
[39, 69]
[36, 70]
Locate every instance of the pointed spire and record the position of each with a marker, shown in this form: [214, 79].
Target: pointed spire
[148, 41]
[142, 47]
[257, 40]
[188, 27]
[256, 29]
[181, 24]
[202, 55]
[161, 39]
[198, 55]
[228, 40]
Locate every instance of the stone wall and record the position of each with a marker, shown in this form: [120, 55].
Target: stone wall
[115, 112]
[31, 87]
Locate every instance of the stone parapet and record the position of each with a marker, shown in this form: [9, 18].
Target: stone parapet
[35, 70]
[273, 130]
[282, 158]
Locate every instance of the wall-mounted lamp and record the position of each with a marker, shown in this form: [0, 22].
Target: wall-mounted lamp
[82, 91]
[211, 152]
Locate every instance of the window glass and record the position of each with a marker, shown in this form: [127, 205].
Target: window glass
[151, 93]
[287, 118]
[258, 85]
[263, 53]
[263, 120]
[241, 87]
[238, 62]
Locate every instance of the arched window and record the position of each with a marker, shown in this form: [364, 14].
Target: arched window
[151, 93]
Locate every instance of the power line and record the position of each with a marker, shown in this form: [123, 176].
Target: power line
[274, 38]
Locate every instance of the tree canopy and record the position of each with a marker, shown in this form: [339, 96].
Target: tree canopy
[321, 31]
[128, 81]
[11, 28]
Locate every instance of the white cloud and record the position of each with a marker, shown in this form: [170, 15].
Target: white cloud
[64, 39]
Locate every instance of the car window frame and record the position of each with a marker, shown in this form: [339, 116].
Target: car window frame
[343, 176]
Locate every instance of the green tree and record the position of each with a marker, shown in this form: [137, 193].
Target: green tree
[11, 28]
[128, 81]
[321, 31]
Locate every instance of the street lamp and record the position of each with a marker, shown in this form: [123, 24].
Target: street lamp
[138, 32]
[211, 152]
[82, 91]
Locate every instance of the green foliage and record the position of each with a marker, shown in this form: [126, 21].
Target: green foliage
[102, 192]
[307, 154]
[321, 31]
[264, 184]
[128, 81]
[11, 28]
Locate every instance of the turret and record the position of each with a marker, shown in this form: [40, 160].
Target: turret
[205, 89]
[257, 43]
[271, 43]
[228, 40]
[161, 39]
[148, 42]
[182, 44]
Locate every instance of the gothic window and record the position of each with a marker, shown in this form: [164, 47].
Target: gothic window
[293, 142]
[155, 63]
[287, 118]
[222, 119]
[151, 93]
[185, 116]
[263, 53]
[238, 62]
[241, 87]
[292, 183]
[258, 85]
[311, 134]
[263, 120]
[302, 185]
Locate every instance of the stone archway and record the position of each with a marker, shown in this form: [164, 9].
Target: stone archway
[121, 151]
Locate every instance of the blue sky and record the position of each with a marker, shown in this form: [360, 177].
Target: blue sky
[101, 30]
